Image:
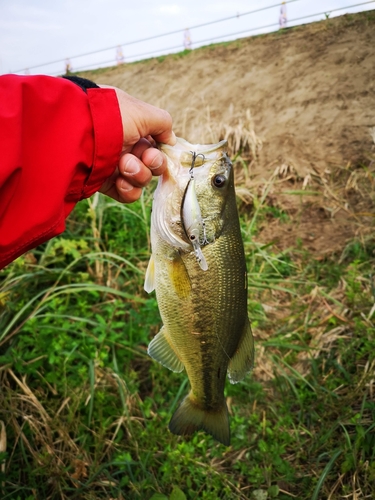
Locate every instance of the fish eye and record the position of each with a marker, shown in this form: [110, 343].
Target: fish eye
[219, 181]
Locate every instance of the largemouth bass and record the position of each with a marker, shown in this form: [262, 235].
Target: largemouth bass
[198, 271]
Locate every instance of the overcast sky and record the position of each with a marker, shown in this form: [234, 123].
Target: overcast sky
[36, 32]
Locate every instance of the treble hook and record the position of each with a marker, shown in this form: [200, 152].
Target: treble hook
[194, 157]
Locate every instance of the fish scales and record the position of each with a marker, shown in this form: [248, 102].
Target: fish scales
[205, 324]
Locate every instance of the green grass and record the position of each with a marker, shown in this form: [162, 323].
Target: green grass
[86, 410]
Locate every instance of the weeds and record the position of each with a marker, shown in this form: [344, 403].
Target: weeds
[84, 411]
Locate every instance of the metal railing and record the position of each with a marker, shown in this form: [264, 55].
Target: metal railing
[198, 43]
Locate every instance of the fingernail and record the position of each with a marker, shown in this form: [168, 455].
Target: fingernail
[125, 186]
[157, 162]
[131, 167]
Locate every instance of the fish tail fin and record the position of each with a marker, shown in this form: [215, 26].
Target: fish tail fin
[190, 417]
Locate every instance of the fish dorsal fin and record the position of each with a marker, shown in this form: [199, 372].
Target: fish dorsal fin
[149, 285]
[162, 351]
[243, 359]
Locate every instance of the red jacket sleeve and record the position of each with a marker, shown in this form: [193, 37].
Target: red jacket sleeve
[58, 144]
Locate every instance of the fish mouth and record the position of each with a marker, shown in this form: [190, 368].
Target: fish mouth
[193, 155]
[183, 145]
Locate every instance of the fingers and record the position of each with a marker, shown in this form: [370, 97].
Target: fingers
[134, 175]
[155, 160]
[144, 125]
[143, 162]
[121, 189]
[159, 125]
[127, 182]
[152, 158]
[141, 119]
[155, 122]
[127, 192]
[134, 172]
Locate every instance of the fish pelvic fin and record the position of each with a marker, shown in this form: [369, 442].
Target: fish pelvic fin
[243, 359]
[190, 417]
[149, 285]
[160, 349]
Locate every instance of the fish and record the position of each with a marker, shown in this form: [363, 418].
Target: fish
[198, 271]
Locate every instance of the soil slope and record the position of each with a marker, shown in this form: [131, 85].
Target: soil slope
[311, 94]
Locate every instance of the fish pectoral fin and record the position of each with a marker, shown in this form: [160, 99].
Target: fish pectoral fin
[243, 359]
[162, 351]
[179, 277]
[149, 285]
[190, 417]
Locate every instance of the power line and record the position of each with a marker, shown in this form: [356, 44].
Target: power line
[227, 35]
[158, 36]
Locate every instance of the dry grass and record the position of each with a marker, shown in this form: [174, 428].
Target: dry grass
[198, 125]
[50, 432]
[318, 310]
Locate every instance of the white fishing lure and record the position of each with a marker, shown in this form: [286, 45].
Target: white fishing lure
[192, 221]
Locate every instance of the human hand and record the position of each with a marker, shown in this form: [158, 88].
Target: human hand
[143, 126]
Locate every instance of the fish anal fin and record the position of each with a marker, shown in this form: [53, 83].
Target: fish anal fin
[162, 351]
[243, 359]
[190, 417]
[149, 285]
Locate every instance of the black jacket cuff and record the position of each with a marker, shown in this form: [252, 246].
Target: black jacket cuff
[82, 82]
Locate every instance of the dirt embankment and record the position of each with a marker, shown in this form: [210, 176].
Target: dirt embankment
[311, 94]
